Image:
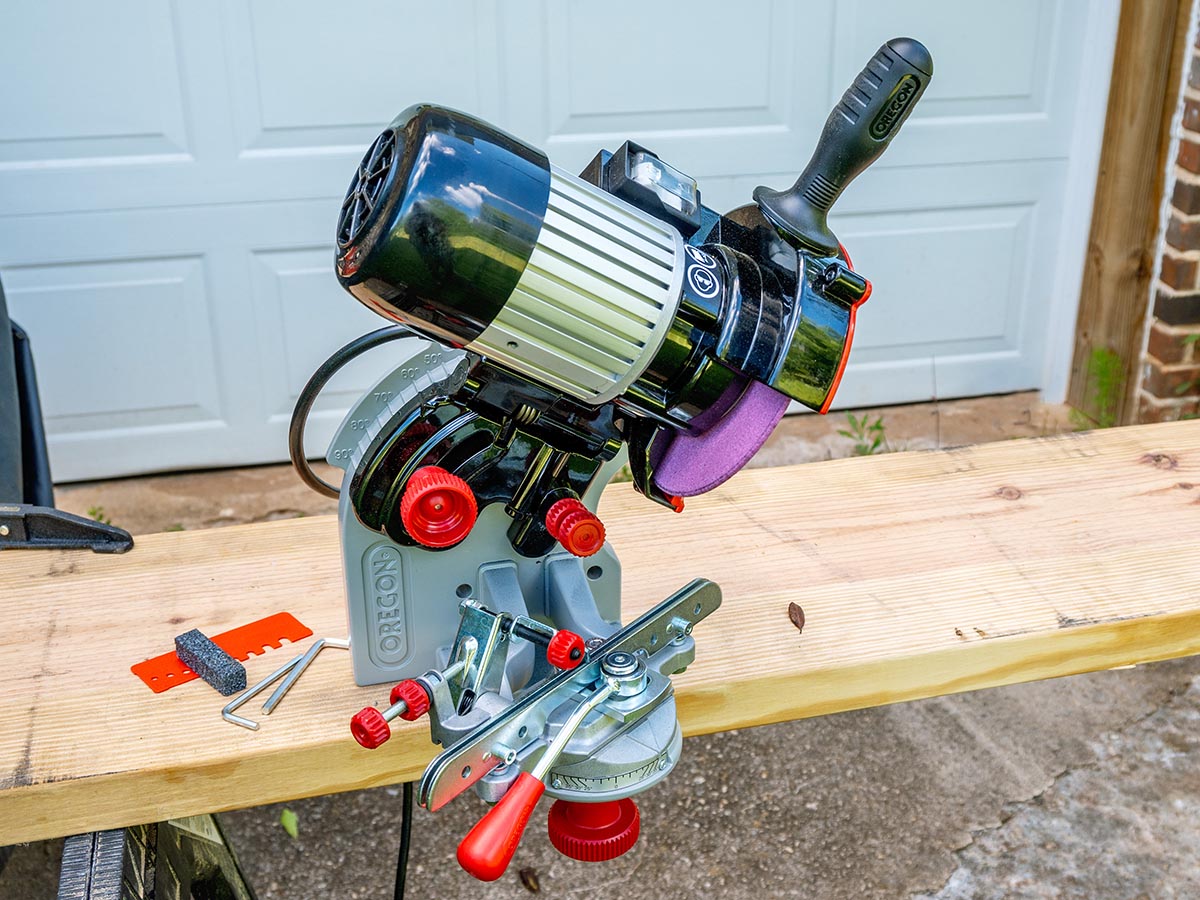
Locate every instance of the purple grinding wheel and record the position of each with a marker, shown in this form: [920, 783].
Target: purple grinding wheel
[693, 464]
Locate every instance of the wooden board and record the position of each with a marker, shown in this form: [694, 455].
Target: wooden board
[920, 574]
[1151, 36]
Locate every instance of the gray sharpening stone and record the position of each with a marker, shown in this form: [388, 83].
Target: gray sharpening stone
[210, 662]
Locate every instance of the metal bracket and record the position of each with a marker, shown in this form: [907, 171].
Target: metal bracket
[26, 527]
[471, 758]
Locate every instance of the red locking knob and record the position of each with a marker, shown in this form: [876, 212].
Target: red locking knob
[594, 832]
[576, 527]
[414, 697]
[438, 508]
[370, 728]
[565, 650]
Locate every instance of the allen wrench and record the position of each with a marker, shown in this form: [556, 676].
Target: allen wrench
[289, 672]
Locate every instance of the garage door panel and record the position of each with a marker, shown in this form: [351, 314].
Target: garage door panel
[589, 93]
[293, 94]
[930, 251]
[883, 382]
[170, 186]
[957, 256]
[724, 83]
[1004, 89]
[1005, 85]
[119, 343]
[998, 67]
[886, 382]
[125, 97]
[304, 316]
[146, 74]
[969, 375]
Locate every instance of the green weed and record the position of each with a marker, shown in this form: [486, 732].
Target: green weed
[869, 437]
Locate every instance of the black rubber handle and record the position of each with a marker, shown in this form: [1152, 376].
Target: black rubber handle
[858, 130]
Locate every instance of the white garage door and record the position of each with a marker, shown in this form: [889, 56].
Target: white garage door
[170, 175]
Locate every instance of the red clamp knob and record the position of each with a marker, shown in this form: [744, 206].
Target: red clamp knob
[370, 728]
[438, 508]
[414, 696]
[565, 650]
[576, 527]
[594, 832]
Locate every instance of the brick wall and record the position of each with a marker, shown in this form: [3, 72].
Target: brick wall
[1170, 375]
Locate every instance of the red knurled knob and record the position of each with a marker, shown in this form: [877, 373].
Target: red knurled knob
[438, 508]
[370, 728]
[576, 527]
[565, 650]
[412, 694]
[594, 832]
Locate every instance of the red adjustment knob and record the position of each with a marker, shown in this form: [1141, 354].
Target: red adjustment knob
[565, 650]
[414, 696]
[370, 728]
[594, 832]
[576, 527]
[438, 508]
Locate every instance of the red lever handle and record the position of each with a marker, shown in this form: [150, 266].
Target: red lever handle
[488, 848]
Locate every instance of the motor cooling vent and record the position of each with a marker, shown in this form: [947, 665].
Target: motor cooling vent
[366, 188]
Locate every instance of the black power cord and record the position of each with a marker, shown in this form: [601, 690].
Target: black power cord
[304, 405]
[406, 804]
[308, 397]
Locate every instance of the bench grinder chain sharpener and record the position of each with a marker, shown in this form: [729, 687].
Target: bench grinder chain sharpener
[568, 324]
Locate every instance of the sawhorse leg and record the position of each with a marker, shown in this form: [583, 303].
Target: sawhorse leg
[182, 859]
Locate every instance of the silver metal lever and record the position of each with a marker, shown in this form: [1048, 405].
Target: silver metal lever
[555, 748]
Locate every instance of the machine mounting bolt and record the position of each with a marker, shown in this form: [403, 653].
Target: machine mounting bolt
[619, 664]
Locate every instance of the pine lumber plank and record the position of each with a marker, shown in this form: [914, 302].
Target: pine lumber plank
[920, 574]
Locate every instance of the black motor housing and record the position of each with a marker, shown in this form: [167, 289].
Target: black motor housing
[440, 221]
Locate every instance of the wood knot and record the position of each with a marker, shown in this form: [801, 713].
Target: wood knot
[796, 614]
[1008, 492]
[1160, 460]
[1185, 485]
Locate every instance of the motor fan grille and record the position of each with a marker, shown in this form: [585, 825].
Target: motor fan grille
[366, 188]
